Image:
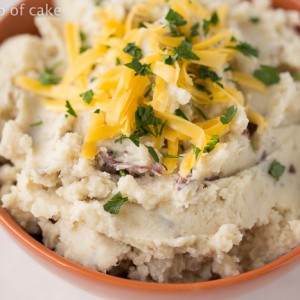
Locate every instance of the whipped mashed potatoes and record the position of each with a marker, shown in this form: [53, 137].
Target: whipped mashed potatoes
[155, 140]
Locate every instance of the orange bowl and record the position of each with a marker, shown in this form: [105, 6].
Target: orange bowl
[113, 287]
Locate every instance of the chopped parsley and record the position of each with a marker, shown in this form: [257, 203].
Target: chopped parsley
[196, 151]
[229, 115]
[36, 124]
[169, 59]
[151, 88]
[170, 156]
[180, 113]
[48, 77]
[214, 140]
[153, 153]
[296, 76]
[195, 30]
[118, 61]
[134, 51]
[140, 69]
[268, 75]
[246, 49]
[184, 50]
[98, 2]
[202, 88]
[144, 118]
[97, 111]
[83, 48]
[70, 109]
[207, 23]
[201, 113]
[122, 173]
[175, 18]
[207, 73]
[83, 36]
[254, 20]
[87, 96]
[276, 169]
[114, 205]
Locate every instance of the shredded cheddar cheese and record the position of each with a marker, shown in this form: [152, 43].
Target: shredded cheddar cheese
[158, 55]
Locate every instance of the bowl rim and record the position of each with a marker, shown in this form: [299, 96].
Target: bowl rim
[34, 246]
[22, 236]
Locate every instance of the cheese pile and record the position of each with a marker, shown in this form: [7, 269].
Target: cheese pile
[118, 91]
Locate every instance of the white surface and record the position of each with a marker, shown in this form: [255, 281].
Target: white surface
[21, 278]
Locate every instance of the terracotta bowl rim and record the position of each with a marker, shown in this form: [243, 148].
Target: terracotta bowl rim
[19, 234]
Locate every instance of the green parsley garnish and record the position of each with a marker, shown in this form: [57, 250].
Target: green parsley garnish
[207, 73]
[184, 50]
[196, 151]
[195, 30]
[201, 113]
[246, 49]
[97, 111]
[175, 18]
[113, 206]
[254, 20]
[180, 113]
[296, 76]
[139, 69]
[118, 61]
[36, 124]
[212, 144]
[122, 173]
[170, 156]
[268, 75]
[276, 169]
[93, 79]
[134, 51]
[83, 48]
[202, 88]
[70, 109]
[48, 77]
[169, 59]
[98, 2]
[83, 36]
[151, 88]
[153, 153]
[229, 115]
[87, 96]
[207, 23]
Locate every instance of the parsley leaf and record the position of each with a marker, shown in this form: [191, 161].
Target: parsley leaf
[122, 173]
[202, 88]
[196, 151]
[268, 75]
[207, 73]
[175, 18]
[97, 111]
[195, 29]
[83, 36]
[276, 169]
[296, 76]
[229, 115]
[98, 2]
[214, 20]
[184, 50]
[87, 96]
[134, 51]
[170, 156]
[254, 20]
[48, 77]
[180, 113]
[36, 124]
[118, 61]
[201, 113]
[139, 69]
[246, 49]
[113, 206]
[70, 109]
[214, 140]
[83, 48]
[153, 153]
[169, 59]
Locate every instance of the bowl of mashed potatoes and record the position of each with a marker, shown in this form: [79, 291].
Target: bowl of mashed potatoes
[153, 145]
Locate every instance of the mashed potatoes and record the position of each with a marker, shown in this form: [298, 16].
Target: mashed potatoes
[159, 141]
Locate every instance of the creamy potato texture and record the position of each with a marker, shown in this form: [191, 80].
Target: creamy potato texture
[158, 144]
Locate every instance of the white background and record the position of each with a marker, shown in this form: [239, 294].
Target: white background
[21, 278]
